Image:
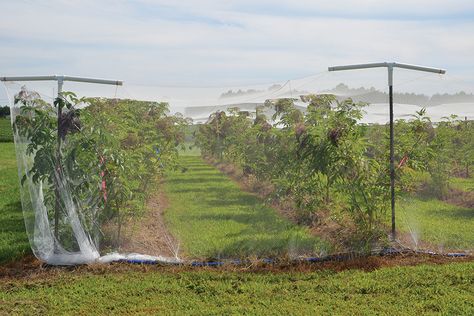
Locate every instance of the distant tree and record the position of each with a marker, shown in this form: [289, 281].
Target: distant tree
[4, 111]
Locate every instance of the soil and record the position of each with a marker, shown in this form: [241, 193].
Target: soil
[31, 269]
[149, 234]
[460, 198]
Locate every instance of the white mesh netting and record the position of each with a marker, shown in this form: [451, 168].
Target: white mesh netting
[89, 180]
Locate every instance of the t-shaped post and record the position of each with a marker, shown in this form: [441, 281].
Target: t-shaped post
[390, 67]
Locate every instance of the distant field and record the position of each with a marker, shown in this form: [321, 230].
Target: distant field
[6, 134]
[190, 149]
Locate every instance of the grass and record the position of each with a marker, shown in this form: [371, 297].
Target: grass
[213, 213]
[444, 226]
[13, 240]
[465, 184]
[441, 225]
[6, 134]
[190, 149]
[212, 217]
[424, 289]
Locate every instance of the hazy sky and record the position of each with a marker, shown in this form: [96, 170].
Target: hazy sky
[219, 42]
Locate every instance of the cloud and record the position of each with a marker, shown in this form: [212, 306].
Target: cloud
[219, 42]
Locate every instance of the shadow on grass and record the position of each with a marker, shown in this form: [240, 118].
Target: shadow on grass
[225, 222]
[197, 180]
[270, 247]
[458, 213]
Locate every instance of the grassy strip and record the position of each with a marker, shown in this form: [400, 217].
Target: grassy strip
[440, 224]
[425, 289]
[6, 133]
[13, 239]
[212, 217]
[465, 184]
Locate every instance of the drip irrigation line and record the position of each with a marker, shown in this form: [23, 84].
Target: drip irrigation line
[272, 261]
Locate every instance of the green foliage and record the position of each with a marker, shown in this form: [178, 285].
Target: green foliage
[443, 150]
[324, 161]
[135, 141]
[317, 158]
[102, 156]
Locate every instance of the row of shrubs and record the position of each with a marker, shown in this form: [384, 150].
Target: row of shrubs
[106, 153]
[329, 167]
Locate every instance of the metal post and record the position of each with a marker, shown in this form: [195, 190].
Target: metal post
[57, 205]
[390, 67]
[392, 151]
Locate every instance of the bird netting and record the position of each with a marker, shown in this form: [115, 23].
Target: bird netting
[288, 170]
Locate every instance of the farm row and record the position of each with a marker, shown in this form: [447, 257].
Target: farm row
[321, 178]
[328, 171]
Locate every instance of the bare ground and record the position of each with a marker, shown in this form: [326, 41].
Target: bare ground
[460, 198]
[29, 268]
[149, 234]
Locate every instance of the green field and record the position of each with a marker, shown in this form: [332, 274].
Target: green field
[444, 226]
[13, 239]
[212, 217]
[443, 289]
[465, 184]
[6, 134]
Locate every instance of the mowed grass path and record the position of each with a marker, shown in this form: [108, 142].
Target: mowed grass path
[13, 240]
[212, 217]
[421, 290]
[444, 226]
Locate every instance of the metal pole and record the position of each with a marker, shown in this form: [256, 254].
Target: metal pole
[392, 151]
[57, 207]
[63, 78]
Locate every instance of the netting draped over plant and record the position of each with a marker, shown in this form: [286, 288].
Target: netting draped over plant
[283, 170]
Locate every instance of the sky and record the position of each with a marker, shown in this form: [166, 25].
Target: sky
[199, 43]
